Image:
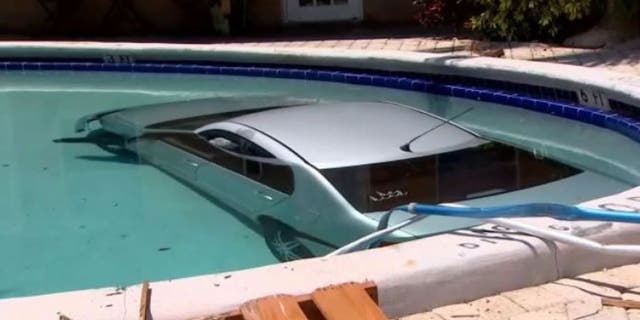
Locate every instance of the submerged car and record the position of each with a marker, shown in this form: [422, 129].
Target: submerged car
[317, 175]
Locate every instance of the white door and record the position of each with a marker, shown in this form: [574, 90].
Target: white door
[322, 10]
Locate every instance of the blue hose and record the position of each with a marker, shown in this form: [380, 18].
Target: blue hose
[552, 210]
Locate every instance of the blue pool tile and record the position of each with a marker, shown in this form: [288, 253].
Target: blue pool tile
[419, 85]
[283, 73]
[338, 76]
[555, 108]
[351, 78]
[213, 69]
[365, 79]
[404, 83]
[311, 75]
[44, 66]
[225, 70]
[94, 66]
[571, 112]
[515, 100]
[154, 67]
[529, 104]
[109, 67]
[13, 65]
[635, 132]
[234, 71]
[614, 122]
[501, 98]
[585, 115]
[457, 91]
[324, 75]
[297, 74]
[270, 72]
[253, 72]
[29, 66]
[391, 82]
[541, 105]
[81, 66]
[161, 67]
[258, 72]
[246, 71]
[473, 94]
[68, 66]
[441, 89]
[378, 81]
[599, 118]
[199, 69]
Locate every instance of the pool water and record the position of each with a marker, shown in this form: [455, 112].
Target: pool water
[75, 216]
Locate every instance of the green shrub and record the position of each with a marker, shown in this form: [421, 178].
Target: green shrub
[530, 19]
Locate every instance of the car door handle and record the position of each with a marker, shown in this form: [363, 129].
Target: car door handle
[191, 162]
[264, 195]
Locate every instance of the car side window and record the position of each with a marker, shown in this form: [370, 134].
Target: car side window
[188, 142]
[276, 176]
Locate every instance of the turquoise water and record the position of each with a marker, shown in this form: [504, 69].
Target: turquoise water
[74, 216]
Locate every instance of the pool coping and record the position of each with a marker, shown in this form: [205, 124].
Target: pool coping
[405, 274]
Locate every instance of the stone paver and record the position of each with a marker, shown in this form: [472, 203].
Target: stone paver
[626, 275]
[534, 298]
[552, 313]
[577, 298]
[568, 293]
[497, 307]
[423, 316]
[590, 288]
[622, 58]
[609, 313]
[458, 311]
[583, 308]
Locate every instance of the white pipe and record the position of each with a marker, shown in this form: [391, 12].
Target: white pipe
[370, 238]
[613, 249]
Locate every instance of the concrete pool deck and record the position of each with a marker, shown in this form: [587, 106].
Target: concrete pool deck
[585, 297]
[624, 57]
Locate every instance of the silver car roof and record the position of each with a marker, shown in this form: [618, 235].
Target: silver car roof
[330, 135]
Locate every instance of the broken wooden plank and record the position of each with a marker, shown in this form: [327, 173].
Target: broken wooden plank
[306, 304]
[145, 302]
[347, 301]
[283, 307]
[627, 304]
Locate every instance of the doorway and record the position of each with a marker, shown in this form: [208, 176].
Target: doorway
[322, 10]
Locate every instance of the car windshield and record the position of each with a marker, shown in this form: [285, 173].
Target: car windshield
[475, 172]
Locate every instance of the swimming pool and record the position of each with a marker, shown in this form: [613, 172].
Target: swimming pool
[76, 216]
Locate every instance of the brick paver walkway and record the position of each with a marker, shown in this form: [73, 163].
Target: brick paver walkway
[587, 297]
[622, 58]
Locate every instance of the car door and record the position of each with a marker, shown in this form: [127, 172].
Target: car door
[242, 174]
[179, 154]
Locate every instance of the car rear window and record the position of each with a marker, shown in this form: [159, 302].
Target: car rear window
[489, 169]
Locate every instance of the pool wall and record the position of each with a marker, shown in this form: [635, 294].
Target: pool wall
[412, 276]
[594, 96]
